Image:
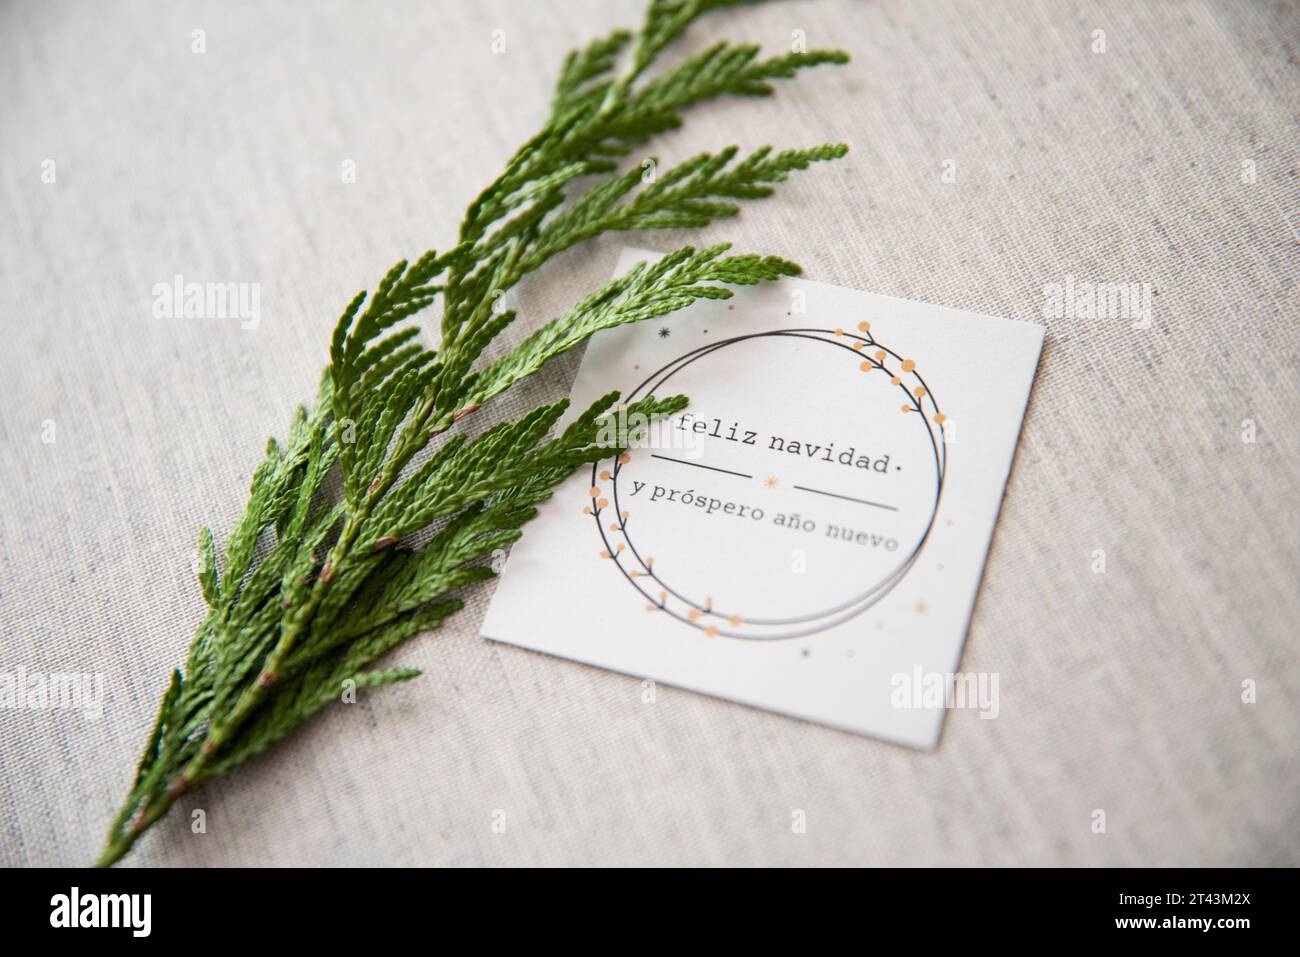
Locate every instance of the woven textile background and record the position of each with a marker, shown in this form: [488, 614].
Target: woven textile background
[1170, 158]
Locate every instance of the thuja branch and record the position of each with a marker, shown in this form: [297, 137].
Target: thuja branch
[312, 587]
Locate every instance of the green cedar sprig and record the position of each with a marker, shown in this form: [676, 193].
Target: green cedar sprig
[313, 587]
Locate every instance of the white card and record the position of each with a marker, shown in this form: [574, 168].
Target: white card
[808, 536]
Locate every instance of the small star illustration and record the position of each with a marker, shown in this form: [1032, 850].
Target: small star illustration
[665, 332]
[772, 481]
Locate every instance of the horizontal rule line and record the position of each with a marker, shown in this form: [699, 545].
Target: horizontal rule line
[847, 498]
[669, 458]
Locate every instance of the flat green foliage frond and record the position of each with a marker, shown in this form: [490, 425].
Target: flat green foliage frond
[312, 587]
[673, 283]
[582, 66]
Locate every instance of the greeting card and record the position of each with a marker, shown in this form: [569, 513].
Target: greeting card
[809, 534]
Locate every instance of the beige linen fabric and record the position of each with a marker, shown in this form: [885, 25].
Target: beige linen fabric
[1168, 159]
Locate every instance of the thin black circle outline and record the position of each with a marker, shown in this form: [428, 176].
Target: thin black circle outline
[863, 601]
[680, 363]
[866, 598]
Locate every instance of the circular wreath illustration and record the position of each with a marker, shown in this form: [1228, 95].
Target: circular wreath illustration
[613, 521]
